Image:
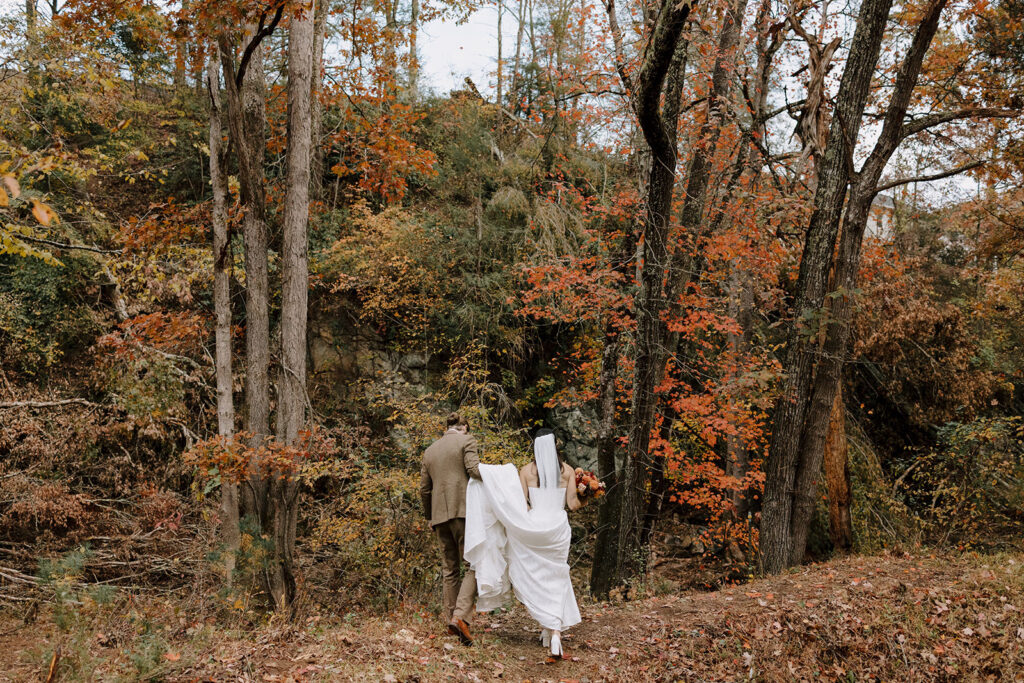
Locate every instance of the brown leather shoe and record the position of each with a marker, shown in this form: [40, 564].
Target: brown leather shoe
[457, 627]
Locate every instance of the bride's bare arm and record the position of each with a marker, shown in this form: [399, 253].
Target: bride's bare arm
[528, 477]
[572, 501]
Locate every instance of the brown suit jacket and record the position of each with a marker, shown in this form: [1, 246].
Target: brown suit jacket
[448, 463]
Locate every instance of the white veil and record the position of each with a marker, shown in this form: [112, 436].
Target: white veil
[546, 457]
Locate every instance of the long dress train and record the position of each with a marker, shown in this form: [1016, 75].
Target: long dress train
[525, 550]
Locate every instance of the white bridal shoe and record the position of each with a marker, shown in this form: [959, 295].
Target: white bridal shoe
[545, 637]
[556, 644]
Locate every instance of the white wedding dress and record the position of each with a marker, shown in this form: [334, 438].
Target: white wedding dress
[525, 551]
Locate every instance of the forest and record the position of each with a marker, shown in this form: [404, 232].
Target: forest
[758, 264]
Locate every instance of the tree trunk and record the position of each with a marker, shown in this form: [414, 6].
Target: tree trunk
[414, 63]
[180, 51]
[811, 449]
[316, 170]
[30, 21]
[500, 94]
[516, 64]
[696, 225]
[631, 561]
[737, 463]
[659, 72]
[837, 476]
[602, 571]
[291, 410]
[699, 172]
[820, 393]
[777, 545]
[660, 482]
[222, 311]
[247, 125]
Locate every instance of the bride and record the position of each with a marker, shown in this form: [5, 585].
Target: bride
[517, 538]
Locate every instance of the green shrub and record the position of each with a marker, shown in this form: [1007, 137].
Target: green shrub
[44, 311]
[377, 541]
[969, 490]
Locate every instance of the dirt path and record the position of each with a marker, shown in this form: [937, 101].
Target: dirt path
[879, 618]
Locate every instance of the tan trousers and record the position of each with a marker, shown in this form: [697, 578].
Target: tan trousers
[458, 595]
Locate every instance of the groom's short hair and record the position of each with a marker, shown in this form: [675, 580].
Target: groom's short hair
[456, 420]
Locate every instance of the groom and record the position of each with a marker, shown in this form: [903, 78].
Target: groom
[448, 463]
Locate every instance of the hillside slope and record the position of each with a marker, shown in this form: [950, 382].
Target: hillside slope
[888, 617]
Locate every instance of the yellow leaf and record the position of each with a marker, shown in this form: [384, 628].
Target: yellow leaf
[12, 185]
[43, 213]
[3, 197]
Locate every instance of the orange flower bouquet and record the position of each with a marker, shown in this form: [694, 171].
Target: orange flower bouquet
[588, 486]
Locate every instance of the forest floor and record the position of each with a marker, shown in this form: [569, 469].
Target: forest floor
[887, 617]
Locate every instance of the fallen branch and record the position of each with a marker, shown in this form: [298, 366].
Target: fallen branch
[52, 675]
[62, 245]
[14, 575]
[50, 404]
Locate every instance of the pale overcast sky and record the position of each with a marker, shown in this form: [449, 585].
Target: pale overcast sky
[450, 52]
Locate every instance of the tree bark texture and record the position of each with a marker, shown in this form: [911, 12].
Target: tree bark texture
[316, 170]
[222, 312]
[414, 61]
[247, 124]
[741, 306]
[777, 546]
[602, 571]
[829, 367]
[245, 88]
[837, 477]
[291, 410]
[803, 412]
[654, 77]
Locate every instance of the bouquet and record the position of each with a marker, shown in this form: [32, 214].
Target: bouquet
[588, 486]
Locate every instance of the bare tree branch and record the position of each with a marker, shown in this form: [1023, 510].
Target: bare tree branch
[929, 178]
[915, 126]
[61, 245]
[620, 58]
[262, 31]
[903, 89]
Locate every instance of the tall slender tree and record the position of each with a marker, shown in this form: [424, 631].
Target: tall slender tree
[864, 187]
[245, 87]
[655, 97]
[291, 409]
[222, 311]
